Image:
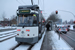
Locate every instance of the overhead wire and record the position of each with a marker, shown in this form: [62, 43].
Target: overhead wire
[18, 1]
[38, 2]
[43, 5]
[23, 1]
[32, 2]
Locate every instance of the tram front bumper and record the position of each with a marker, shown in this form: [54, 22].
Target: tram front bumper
[27, 40]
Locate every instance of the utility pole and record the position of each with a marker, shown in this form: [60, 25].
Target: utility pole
[38, 2]
[32, 2]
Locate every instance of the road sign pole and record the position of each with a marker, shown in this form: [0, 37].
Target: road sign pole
[59, 35]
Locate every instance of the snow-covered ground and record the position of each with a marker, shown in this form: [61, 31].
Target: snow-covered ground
[7, 37]
[7, 34]
[8, 44]
[7, 31]
[23, 47]
[59, 44]
[7, 27]
[71, 27]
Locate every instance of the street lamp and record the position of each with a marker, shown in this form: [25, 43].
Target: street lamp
[67, 11]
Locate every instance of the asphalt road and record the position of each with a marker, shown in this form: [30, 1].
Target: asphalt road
[69, 38]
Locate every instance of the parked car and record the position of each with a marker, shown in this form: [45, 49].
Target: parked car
[61, 29]
[68, 28]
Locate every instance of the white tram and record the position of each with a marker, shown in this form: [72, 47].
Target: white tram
[30, 24]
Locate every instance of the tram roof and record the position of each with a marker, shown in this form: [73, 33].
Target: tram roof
[28, 7]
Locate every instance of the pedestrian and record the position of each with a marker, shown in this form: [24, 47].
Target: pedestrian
[48, 26]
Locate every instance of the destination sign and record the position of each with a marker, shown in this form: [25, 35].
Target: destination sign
[24, 11]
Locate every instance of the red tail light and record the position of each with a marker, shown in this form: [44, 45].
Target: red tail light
[17, 34]
[28, 34]
[41, 11]
[43, 21]
[66, 29]
[28, 30]
[18, 30]
[59, 29]
[62, 26]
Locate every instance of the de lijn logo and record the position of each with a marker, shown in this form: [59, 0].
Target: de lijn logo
[22, 31]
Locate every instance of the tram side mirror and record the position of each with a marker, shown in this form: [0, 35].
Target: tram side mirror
[17, 13]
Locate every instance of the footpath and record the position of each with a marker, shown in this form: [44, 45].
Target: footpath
[51, 42]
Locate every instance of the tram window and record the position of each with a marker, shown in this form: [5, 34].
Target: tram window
[34, 20]
[28, 20]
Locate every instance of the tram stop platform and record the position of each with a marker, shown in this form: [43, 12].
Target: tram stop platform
[51, 42]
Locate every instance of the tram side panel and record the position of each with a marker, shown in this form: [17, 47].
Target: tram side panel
[40, 22]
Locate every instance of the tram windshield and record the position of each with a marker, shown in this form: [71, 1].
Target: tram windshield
[28, 20]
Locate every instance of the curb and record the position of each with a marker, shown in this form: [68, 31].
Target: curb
[43, 40]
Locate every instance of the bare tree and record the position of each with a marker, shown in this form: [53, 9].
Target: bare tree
[53, 17]
[3, 16]
[13, 19]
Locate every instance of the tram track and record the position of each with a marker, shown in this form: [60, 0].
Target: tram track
[19, 45]
[13, 48]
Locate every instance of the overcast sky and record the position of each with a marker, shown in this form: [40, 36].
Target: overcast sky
[9, 7]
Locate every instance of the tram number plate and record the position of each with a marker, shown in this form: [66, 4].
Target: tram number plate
[23, 35]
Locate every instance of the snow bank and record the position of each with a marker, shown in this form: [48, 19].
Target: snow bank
[7, 31]
[6, 45]
[71, 27]
[59, 44]
[7, 27]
